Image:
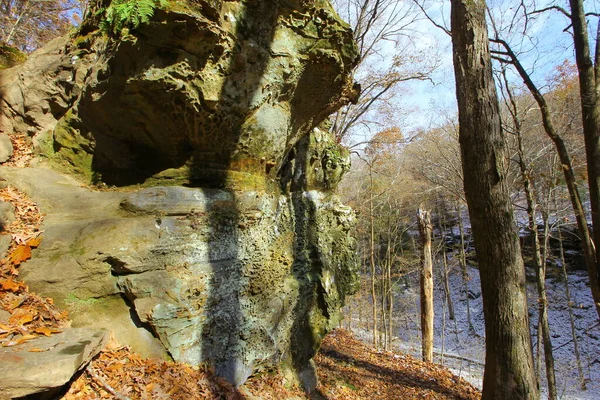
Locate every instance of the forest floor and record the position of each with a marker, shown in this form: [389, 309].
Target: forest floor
[347, 368]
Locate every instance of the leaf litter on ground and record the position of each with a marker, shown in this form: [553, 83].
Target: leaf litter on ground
[347, 369]
[30, 315]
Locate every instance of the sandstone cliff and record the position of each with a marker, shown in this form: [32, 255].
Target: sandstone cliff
[224, 242]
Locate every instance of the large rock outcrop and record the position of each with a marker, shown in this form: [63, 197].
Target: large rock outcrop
[234, 250]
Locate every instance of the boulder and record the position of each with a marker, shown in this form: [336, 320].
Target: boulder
[6, 148]
[7, 214]
[47, 363]
[67, 267]
[224, 242]
[5, 240]
[38, 91]
[209, 98]
[231, 279]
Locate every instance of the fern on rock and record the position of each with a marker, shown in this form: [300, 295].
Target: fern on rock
[129, 14]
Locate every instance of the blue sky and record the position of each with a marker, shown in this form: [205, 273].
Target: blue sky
[429, 104]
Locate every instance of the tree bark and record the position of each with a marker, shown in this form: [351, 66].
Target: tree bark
[372, 259]
[509, 372]
[384, 308]
[426, 286]
[589, 87]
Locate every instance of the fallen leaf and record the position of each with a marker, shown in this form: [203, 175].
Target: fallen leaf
[36, 350]
[34, 242]
[18, 341]
[25, 338]
[44, 330]
[12, 286]
[21, 254]
[22, 316]
[6, 329]
[20, 238]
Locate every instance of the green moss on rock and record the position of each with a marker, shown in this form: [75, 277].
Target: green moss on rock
[10, 56]
[68, 149]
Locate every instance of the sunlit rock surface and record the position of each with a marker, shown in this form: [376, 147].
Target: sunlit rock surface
[234, 250]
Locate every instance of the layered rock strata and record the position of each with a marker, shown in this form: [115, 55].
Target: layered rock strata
[226, 242]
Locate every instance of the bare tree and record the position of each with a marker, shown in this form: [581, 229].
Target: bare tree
[539, 262]
[505, 54]
[388, 57]
[589, 86]
[425, 230]
[27, 24]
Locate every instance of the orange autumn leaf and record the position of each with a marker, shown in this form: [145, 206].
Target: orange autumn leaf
[25, 338]
[21, 254]
[36, 350]
[12, 286]
[44, 330]
[22, 316]
[63, 315]
[34, 242]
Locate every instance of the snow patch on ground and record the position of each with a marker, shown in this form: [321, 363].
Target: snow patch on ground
[462, 349]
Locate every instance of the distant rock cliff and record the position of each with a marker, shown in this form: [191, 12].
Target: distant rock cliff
[226, 239]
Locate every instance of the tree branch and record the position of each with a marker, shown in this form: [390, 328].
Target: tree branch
[430, 19]
[104, 384]
[557, 8]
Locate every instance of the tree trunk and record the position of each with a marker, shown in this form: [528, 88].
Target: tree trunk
[446, 283]
[571, 316]
[390, 310]
[509, 372]
[543, 312]
[372, 259]
[384, 308]
[444, 267]
[463, 266]
[426, 286]
[589, 82]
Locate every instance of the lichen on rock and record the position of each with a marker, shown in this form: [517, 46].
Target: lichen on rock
[233, 248]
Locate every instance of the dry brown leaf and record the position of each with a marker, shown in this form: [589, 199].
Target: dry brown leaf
[12, 286]
[46, 331]
[21, 254]
[34, 242]
[22, 316]
[25, 338]
[37, 350]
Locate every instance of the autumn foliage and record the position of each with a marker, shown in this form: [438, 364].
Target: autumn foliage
[30, 315]
[28, 24]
